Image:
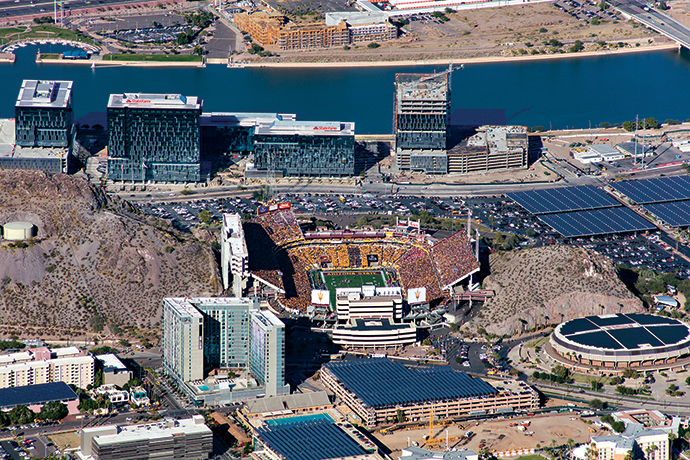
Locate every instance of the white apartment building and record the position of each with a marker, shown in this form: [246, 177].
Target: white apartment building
[183, 340]
[643, 442]
[43, 365]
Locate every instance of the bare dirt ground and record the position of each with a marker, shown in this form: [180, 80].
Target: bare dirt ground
[680, 11]
[506, 31]
[497, 435]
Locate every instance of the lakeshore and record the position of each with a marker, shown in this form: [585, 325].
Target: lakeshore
[105, 62]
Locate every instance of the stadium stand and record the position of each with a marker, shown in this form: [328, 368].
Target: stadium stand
[453, 258]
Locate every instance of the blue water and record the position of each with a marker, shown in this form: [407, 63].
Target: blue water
[299, 418]
[572, 92]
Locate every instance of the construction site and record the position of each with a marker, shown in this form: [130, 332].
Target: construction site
[510, 436]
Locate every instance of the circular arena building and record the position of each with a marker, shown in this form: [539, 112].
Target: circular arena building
[618, 341]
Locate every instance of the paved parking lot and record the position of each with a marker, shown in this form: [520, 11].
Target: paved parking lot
[497, 213]
[586, 11]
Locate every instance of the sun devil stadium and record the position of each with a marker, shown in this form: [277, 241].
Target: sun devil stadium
[372, 287]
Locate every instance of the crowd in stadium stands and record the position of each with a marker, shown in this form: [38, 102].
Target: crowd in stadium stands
[281, 226]
[453, 258]
[417, 270]
[342, 259]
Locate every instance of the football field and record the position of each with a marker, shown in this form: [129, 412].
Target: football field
[350, 279]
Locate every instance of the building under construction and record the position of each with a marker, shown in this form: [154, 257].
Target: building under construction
[492, 148]
[422, 108]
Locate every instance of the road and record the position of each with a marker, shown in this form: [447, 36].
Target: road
[656, 20]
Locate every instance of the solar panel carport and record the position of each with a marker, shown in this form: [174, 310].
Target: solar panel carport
[659, 190]
[310, 440]
[379, 382]
[563, 199]
[596, 222]
[674, 213]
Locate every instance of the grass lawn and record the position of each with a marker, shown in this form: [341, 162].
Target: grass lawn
[351, 279]
[43, 31]
[154, 57]
[8, 31]
[50, 56]
[531, 457]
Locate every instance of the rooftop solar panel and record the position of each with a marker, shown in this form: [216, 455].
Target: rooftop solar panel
[599, 339]
[674, 214]
[645, 319]
[577, 325]
[669, 334]
[563, 199]
[659, 190]
[311, 440]
[378, 382]
[635, 337]
[36, 394]
[610, 320]
[596, 222]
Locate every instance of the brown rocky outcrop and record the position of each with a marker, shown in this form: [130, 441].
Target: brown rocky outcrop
[93, 256]
[549, 285]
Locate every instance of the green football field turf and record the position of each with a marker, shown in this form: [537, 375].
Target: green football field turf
[351, 279]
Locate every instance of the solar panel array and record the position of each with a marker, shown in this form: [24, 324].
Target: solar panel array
[657, 190]
[312, 440]
[674, 214]
[563, 199]
[596, 222]
[36, 394]
[378, 382]
[625, 331]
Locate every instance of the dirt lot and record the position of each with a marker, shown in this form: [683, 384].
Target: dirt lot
[505, 31]
[498, 436]
[66, 439]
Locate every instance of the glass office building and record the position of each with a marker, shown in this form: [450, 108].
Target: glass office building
[154, 137]
[43, 114]
[305, 148]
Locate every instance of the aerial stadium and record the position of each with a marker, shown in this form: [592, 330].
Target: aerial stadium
[611, 343]
[288, 265]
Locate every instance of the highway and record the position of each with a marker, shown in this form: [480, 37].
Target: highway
[656, 20]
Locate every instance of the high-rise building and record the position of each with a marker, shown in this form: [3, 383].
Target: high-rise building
[183, 340]
[226, 336]
[43, 114]
[422, 110]
[154, 137]
[267, 350]
[187, 439]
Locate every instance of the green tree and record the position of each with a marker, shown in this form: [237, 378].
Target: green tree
[263, 194]
[373, 45]
[594, 21]
[54, 410]
[400, 415]
[603, 6]
[629, 126]
[577, 46]
[597, 403]
[21, 415]
[205, 216]
[98, 378]
[605, 124]
[97, 323]
[530, 232]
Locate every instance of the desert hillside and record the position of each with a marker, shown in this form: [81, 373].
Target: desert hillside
[92, 258]
[549, 285]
